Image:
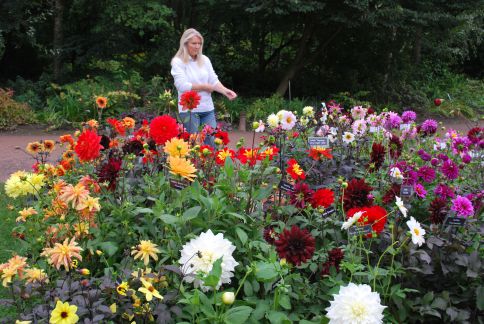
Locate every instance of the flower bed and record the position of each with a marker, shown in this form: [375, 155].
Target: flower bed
[339, 215]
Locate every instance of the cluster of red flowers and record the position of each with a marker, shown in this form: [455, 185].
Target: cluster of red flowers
[318, 153]
[357, 194]
[190, 100]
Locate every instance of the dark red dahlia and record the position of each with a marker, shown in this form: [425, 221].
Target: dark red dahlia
[377, 156]
[133, 147]
[190, 100]
[438, 210]
[475, 134]
[301, 195]
[389, 196]
[109, 172]
[357, 194]
[335, 256]
[269, 235]
[325, 271]
[295, 245]
[163, 128]
[395, 146]
[88, 145]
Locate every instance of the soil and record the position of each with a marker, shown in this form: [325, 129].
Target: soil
[13, 156]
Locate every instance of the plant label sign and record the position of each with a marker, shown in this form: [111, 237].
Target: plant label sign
[328, 211]
[318, 142]
[178, 184]
[455, 221]
[286, 187]
[375, 129]
[359, 230]
[405, 126]
[406, 191]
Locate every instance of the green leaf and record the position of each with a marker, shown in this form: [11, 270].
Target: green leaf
[278, 318]
[285, 302]
[265, 272]
[238, 315]
[241, 217]
[109, 247]
[262, 307]
[248, 288]
[242, 235]
[480, 298]
[229, 167]
[144, 210]
[191, 213]
[169, 219]
[212, 279]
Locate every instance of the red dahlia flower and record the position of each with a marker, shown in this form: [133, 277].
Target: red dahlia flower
[163, 128]
[88, 145]
[109, 172]
[190, 100]
[301, 195]
[318, 153]
[295, 170]
[117, 125]
[224, 136]
[376, 216]
[377, 157]
[322, 198]
[247, 155]
[295, 245]
[221, 155]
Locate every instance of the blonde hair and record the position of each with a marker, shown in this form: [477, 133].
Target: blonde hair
[183, 51]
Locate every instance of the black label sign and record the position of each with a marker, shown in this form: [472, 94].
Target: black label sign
[286, 187]
[318, 142]
[455, 221]
[406, 191]
[178, 184]
[328, 211]
[360, 230]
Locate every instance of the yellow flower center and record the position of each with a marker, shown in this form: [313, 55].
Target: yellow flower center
[358, 310]
[207, 258]
[416, 231]
[297, 169]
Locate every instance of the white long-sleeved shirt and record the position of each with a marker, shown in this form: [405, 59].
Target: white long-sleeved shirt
[186, 75]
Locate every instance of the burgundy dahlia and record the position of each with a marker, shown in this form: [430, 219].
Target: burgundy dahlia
[109, 172]
[357, 194]
[133, 147]
[475, 134]
[301, 196]
[269, 235]
[395, 146]
[444, 191]
[377, 156]
[389, 196]
[335, 256]
[424, 155]
[438, 210]
[295, 245]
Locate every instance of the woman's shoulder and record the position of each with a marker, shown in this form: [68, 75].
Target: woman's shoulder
[206, 59]
[176, 61]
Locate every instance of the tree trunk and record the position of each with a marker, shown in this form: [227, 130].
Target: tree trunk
[302, 59]
[58, 37]
[299, 60]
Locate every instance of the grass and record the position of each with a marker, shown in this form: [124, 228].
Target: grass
[8, 245]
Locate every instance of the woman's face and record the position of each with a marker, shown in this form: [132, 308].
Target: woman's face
[193, 46]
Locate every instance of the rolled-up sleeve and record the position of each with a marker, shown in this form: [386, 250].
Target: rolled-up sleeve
[212, 76]
[178, 73]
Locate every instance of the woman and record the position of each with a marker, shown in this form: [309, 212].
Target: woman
[193, 71]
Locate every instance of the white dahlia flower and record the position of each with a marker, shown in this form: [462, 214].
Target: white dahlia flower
[288, 120]
[198, 256]
[355, 304]
[273, 121]
[417, 232]
[308, 111]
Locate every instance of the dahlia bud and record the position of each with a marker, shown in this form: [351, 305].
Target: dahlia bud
[344, 184]
[218, 141]
[146, 146]
[255, 125]
[84, 271]
[99, 252]
[228, 298]
[283, 262]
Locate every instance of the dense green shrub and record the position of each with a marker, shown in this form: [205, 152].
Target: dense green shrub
[13, 113]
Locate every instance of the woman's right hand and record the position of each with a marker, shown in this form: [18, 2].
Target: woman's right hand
[230, 94]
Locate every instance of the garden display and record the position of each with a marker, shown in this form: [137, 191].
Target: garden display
[339, 215]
